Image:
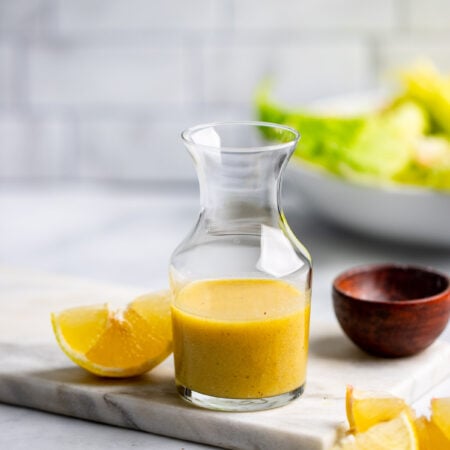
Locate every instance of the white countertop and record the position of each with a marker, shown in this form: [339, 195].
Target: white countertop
[125, 236]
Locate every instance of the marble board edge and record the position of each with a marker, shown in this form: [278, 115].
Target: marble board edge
[172, 418]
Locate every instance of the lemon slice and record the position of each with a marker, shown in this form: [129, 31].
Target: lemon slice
[396, 434]
[440, 415]
[430, 436]
[421, 424]
[114, 343]
[367, 408]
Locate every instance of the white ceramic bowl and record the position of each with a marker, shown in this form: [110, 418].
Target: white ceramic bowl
[394, 212]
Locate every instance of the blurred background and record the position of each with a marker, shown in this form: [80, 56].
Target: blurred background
[100, 89]
[94, 180]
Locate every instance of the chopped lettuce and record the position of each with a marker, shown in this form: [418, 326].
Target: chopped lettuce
[384, 147]
[430, 165]
[397, 144]
[322, 138]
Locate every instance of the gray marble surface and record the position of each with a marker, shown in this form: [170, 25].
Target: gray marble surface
[35, 373]
[126, 236]
[40, 376]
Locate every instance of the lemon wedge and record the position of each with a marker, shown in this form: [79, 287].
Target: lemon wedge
[367, 408]
[396, 434]
[440, 415]
[430, 436]
[117, 343]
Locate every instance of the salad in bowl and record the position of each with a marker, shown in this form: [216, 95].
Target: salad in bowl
[382, 169]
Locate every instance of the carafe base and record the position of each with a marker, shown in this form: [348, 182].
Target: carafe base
[237, 404]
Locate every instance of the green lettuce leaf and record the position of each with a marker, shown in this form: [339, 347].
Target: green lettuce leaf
[373, 146]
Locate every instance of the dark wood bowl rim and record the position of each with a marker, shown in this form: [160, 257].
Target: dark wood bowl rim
[403, 303]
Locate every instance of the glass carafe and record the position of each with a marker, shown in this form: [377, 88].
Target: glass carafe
[241, 280]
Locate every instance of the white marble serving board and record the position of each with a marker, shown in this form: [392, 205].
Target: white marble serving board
[36, 374]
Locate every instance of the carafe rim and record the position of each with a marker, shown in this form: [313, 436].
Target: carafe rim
[186, 136]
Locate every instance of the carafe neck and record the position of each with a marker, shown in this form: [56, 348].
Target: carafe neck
[239, 190]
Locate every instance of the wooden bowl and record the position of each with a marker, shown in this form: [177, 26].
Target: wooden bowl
[392, 310]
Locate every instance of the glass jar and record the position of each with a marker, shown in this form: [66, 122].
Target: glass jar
[241, 280]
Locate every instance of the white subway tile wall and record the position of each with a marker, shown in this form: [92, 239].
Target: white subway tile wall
[25, 15]
[430, 15]
[35, 146]
[407, 49]
[133, 149]
[316, 15]
[88, 75]
[100, 89]
[97, 16]
[302, 70]
[6, 74]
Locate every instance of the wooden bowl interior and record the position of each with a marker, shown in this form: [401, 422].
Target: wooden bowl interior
[393, 284]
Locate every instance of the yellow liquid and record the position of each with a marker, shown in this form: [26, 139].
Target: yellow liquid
[241, 338]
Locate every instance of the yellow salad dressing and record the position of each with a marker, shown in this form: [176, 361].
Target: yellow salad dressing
[241, 338]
